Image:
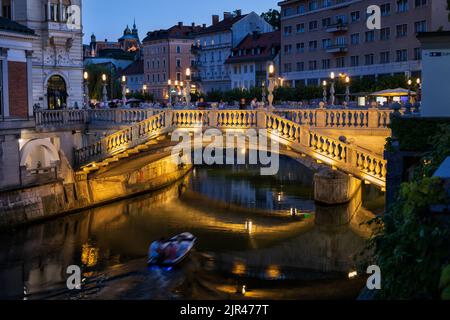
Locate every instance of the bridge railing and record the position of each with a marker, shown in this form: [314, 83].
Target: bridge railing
[122, 140]
[348, 157]
[371, 118]
[68, 117]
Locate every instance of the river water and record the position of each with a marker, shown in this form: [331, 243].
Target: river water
[266, 234]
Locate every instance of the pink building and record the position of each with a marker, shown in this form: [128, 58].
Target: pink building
[167, 55]
[318, 37]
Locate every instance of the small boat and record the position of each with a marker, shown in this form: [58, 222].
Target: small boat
[182, 243]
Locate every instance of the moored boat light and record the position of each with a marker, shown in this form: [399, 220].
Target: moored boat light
[352, 274]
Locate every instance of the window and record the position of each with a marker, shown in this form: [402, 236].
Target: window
[312, 25]
[301, 9]
[340, 40]
[354, 38]
[300, 47]
[287, 67]
[326, 3]
[300, 28]
[354, 16]
[402, 5]
[420, 26]
[288, 49]
[385, 9]
[6, 9]
[326, 43]
[178, 63]
[313, 65]
[385, 33]
[178, 49]
[369, 59]
[420, 3]
[287, 30]
[326, 22]
[300, 66]
[402, 30]
[385, 57]
[401, 55]
[288, 12]
[417, 53]
[313, 5]
[313, 45]
[370, 36]
[340, 62]
[354, 61]
[179, 76]
[326, 64]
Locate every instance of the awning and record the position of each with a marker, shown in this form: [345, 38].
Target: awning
[399, 92]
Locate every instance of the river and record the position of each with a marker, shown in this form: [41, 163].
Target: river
[266, 234]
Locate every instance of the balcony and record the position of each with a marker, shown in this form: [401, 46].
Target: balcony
[337, 27]
[337, 48]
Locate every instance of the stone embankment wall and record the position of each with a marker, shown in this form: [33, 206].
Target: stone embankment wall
[22, 206]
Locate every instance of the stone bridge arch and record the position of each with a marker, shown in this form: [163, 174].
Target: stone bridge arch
[39, 153]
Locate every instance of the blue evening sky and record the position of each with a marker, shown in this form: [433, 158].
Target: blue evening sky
[108, 18]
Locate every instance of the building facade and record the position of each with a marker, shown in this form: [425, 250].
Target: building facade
[214, 44]
[167, 54]
[318, 37]
[250, 59]
[134, 74]
[57, 51]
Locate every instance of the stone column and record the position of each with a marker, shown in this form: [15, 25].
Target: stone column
[261, 120]
[373, 116]
[5, 81]
[334, 187]
[321, 116]
[9, 161]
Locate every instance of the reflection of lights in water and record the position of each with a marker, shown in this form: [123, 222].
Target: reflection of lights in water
[280, 197]
[352, 274]
[249, 226]
[273, 272]
[89, 255]
[294, 212]
[239, 268]
[244, 290]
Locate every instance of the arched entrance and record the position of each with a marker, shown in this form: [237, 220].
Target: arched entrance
[56, 92]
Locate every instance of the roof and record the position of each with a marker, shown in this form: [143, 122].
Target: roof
[175, 32]
[136, 67]
[262, 41]
[224, 25]
[115, 53]
[12, 26]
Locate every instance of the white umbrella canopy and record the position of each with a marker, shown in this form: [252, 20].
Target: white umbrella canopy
[399, 92]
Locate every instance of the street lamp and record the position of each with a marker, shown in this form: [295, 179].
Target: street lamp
[188, 86]
[409, 90]
[86, 89]
[347, 89]
[169, 84]
[144, 91]
[105, 92]
[325, 93]
[271, 85]
[332, 89]
[419, 89]
[124, 90]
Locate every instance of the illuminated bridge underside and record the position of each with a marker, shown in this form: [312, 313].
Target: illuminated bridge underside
[299, 136]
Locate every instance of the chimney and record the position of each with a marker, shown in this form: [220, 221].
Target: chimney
[204, 26]
[215, 19]
[227, 15]
[193, 24]
[180, 24]
[239, 12]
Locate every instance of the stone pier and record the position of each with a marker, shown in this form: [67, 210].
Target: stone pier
[332, 187]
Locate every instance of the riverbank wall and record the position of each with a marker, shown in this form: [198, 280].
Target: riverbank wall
[35, 203]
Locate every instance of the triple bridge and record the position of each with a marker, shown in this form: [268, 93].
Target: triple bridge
[317, 133]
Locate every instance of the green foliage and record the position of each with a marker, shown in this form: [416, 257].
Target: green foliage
[95, 72]
[141, 96]
[411, 245]
[273, 17]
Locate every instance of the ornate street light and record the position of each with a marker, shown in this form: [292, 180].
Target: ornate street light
[271, 85]
[325, 93]
[419, 89]
[188, 86]
[124, 90]
[86, 89]
[169, 85]
[347, 90]
[105, 92]
[332, 89]
[409, 90]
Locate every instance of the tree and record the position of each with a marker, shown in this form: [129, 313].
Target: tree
[273, 17]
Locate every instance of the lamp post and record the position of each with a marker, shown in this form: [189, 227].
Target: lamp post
[105, 92]
[144, 91]
[169, 85]
[325, 93]
[332, 89]
[263, 93]
[409, 90]
[347, 90]
[419, 89]
[86, 89]
[124, 90]
[188, 86]
[271, 85]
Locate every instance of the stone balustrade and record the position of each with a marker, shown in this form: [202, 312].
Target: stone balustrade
[299, 135]
[68, 117]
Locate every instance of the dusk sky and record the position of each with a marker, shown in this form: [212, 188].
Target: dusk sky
[107, 18]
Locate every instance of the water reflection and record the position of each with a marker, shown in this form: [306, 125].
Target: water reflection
[245, 225]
